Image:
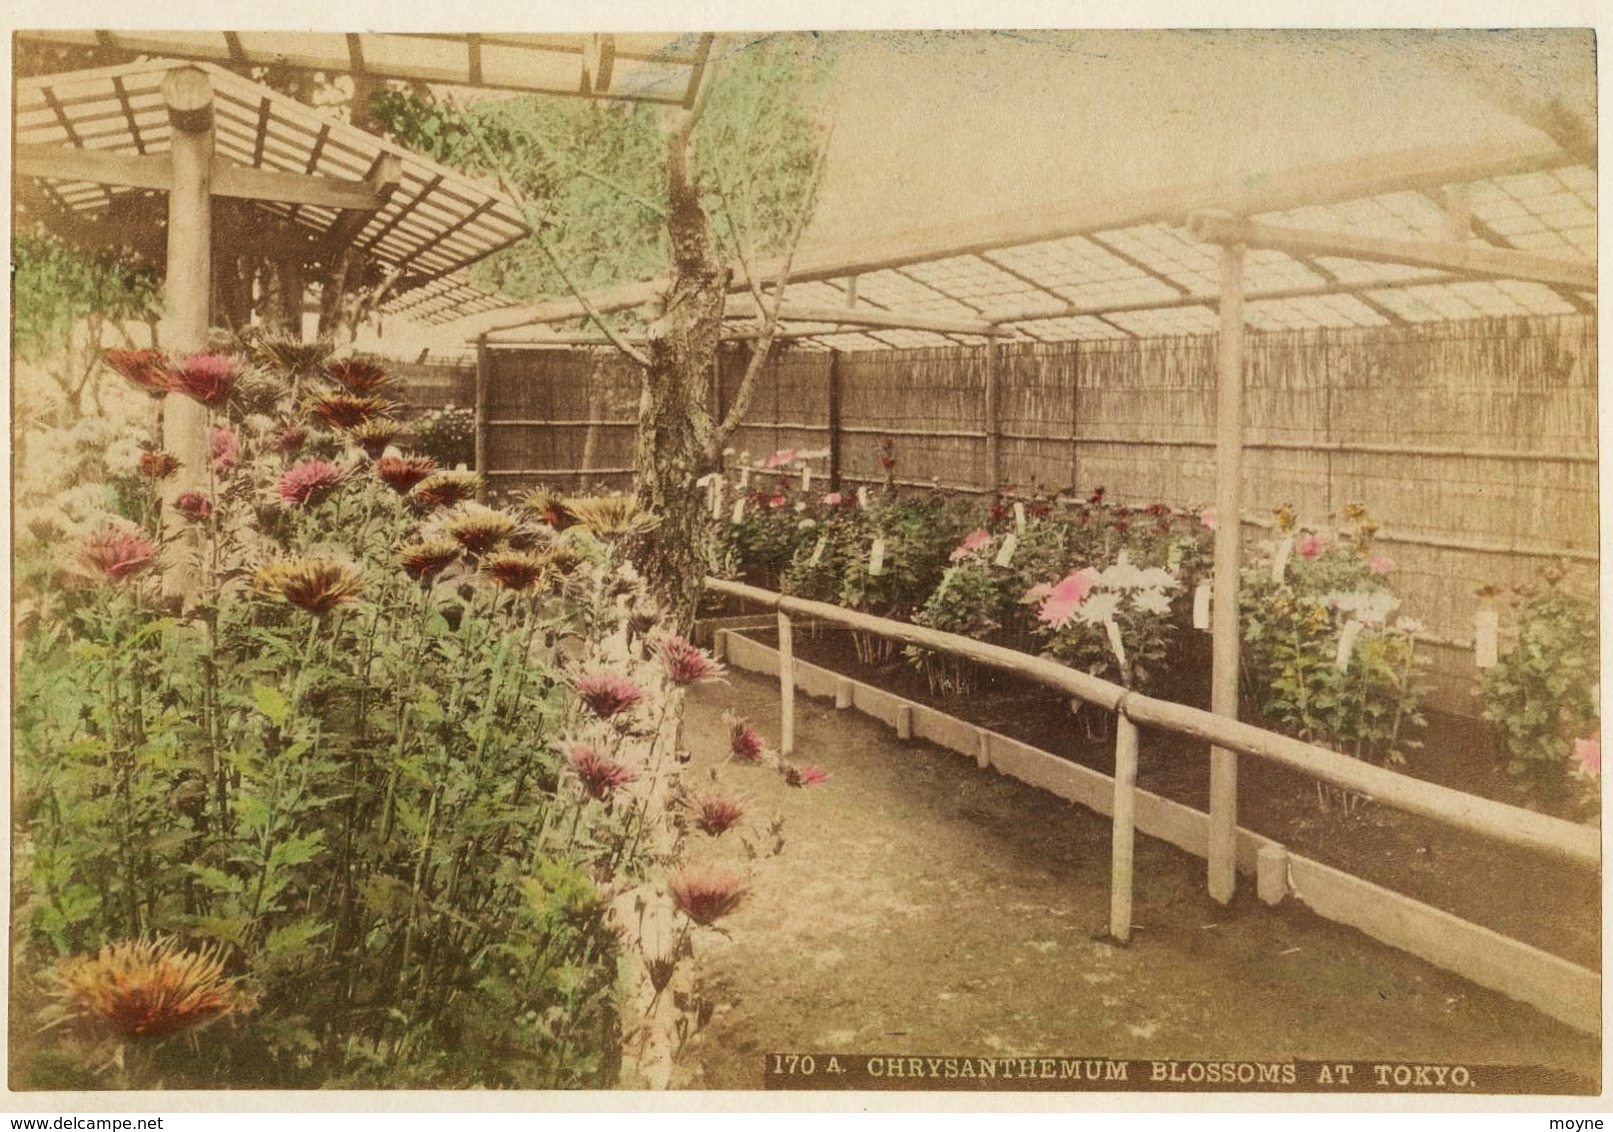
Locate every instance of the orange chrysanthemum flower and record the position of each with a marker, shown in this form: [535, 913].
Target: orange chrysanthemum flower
[357, 374]
[317, 585]
[479, 531]
[444, 489]
[348, 410]
[517, 570]
[401, 473]
[158, 465]
[146, 368]
[151, 988]
[423, 561]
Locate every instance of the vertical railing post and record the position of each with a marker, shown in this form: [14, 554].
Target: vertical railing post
[481, 428]
[786, 678]
[1125, 825]
[834, 420]
[994, 441]
[1228, 546]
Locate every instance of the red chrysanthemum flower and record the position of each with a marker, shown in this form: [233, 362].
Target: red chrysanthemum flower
[116, 554]
[706, 897]
[148, 988]
[288, 438]
[146, 368]
[686, 664]
[809, 775]
[310, 482]
[744, 741]
[608, 694]
[423, 561]
[600, 775]
[158, 465]
[193, 505]
[401, 473]
[517, 570]
[222, 448]
[206, 377]
[444, 489]
[357, 374]
[716, 814]
[348, 410]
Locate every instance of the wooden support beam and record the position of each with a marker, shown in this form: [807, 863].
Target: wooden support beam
[866, 316]
[1228, 550]
[1464, 259]
[155, 171]
[383, 179]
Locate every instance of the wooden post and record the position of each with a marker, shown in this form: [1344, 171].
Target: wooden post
[904, 721]
[844, 694]
[994, 466]
[834, 420]
[1228, 536]
[1125, 829]
[483, 431]
[187, 294]
[1075, 420]
[786, 679]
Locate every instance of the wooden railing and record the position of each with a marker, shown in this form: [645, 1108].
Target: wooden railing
[1571, 842]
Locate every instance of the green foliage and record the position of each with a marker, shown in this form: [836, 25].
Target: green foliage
[54, 286]
[447, 435]
[1542, 693]
[969, 602]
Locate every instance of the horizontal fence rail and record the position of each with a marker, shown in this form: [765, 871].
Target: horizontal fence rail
[1564, 839]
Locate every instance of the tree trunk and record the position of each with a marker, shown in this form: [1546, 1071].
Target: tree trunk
[675, 428]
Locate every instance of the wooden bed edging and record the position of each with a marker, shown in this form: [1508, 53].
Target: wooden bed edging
[1564, 990]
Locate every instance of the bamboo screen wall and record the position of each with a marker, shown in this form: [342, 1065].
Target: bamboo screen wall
[1472, 443]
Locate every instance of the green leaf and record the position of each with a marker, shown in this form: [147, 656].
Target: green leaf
[272, 703]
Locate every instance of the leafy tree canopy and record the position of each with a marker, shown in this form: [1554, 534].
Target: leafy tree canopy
[54, 286]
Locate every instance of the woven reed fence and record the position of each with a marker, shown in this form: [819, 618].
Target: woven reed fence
[423, 386]
[1473, 443]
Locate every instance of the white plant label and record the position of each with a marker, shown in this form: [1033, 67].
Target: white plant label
[1279, 562]
[876, 556]
[1201, 606]
[1005, 554]
[1115, 644]
[1174, 559]
[739, 510]
[1347, 639]
[806, 479]
[744, 478]
[1485, 625]
[862, 497]
[1019, 518]
[716, 497]
[817, 551]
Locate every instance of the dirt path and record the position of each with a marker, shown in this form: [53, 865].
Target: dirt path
[924, 906]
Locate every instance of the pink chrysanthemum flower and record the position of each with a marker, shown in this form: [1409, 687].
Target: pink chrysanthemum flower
[1380, 565]
[146, 368]
[193, 505]
[608, 694]
[972, 543]
[744, 741]
[1061, 602]
[288, 438]
[401, 473]
[206, 377]
[716, 814]
[158, 465]
[1588, 753]
[686, 664]
[780, 458]
[1208, 518]
[809, 775]
[310, 482]
[600, 776]
[706, 897]
[222, 448]
[833, 499]
[1310, 545]
[116, 554]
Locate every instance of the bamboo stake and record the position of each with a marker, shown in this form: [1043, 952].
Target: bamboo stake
[482, 423]
[1223, 875]
[994, 464]
[786, 675]
[1124, 832]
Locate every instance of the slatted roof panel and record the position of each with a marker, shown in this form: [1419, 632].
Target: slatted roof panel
[436, 221]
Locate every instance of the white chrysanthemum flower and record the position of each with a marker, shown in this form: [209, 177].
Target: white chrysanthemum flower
[1121, 576]
[1151, 601]
[1158, 578]
[1098, 608]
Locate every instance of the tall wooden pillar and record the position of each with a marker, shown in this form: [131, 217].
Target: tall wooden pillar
[482, 431]
[1228, 540]
[187, 287]
[834, 419]
[994, 456]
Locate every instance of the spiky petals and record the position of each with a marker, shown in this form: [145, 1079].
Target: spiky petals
[608, 694]
[288, 438]
[401, 473]
[599, 775]
[207, 378]
[317, 585]
[685, 664]
[744, 741]
[348, 410]
[146, 368]
[517, 570]
[423, 561]
[357, 374]
[151, 988]
[292, 354]
[158, 465]
[193, 505]
[223, 450]
[809, 775]
[375, 436]
[549, 507]
[716, 814]
[480, 530]
[444, 489]
[609, 514]
[310, 482]
[115, 554]
[706, 897]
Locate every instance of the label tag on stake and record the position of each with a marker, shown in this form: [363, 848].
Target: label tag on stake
[876, 556]
[1279, 562]
[862, 497]
[1201, 606]
[817, 551]
[1347, 646]
[806, 479]
[1485, 626]
[739, 510]
[744, 477]
[1115, 644]
[1019, 518]
[1005, 555]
